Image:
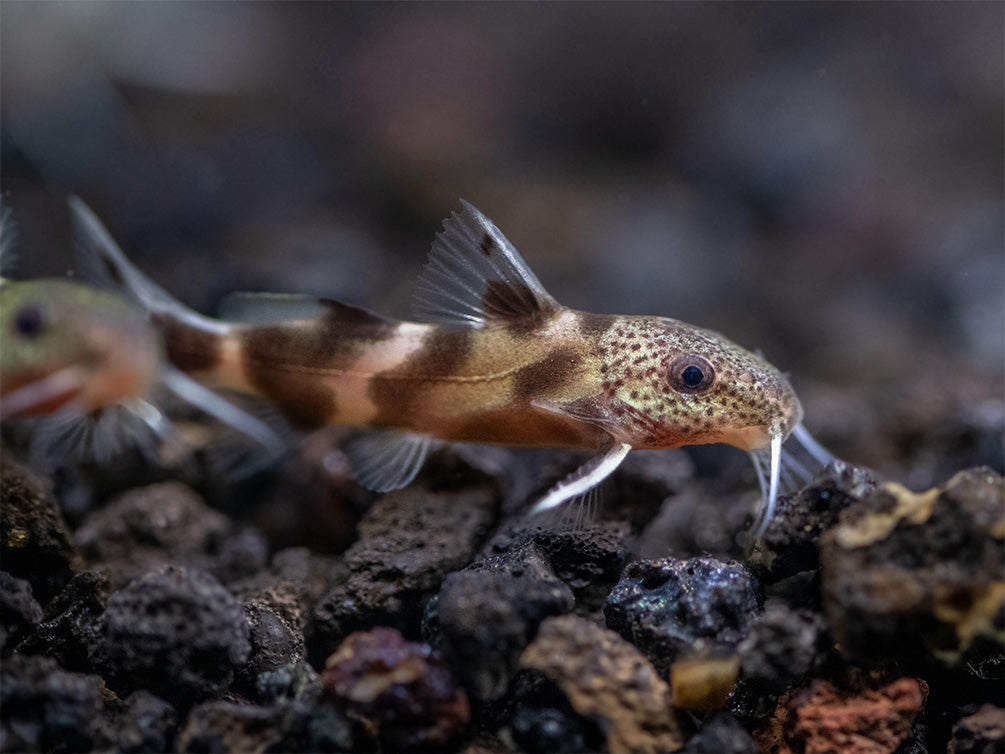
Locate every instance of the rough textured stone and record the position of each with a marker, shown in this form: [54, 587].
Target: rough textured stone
[822, 719]
[141, 722]
[35, 543]
[226, 726]
[917, 576]
[780, 647]
[45, 708]
[401, 693]
[669, 607]
[587, 558]
[603, 676]
[791, 543]
[721, 734]
[71, 627]
[484, 616]
[980, 733]
[148, 527]
[19, 612]
[409, 541]
[175, 632]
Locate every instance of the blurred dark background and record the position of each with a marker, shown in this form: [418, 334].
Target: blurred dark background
[821, 181]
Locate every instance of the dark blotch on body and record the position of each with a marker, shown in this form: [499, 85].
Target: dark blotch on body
[556, 369]
[397, 392]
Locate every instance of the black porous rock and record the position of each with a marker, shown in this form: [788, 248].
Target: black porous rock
[275, 642]
[918, 576]
[669, 607]
[147, 527]
[721, 734]
[70, 629]
[409, 541]
[539, 718]
[19, 612]
[587, 558]
[35, 543]
[485, 616]
[45, 708]
[141, 722]
[791, 542]
[174, 632]
[400, 695]
[780, 647]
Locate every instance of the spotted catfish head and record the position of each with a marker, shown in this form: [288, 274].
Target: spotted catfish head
[69, 345]
[669, 384]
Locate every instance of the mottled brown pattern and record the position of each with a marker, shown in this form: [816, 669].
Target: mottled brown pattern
[287, 362]
[558, 368]
[396, 392]
[188, 348]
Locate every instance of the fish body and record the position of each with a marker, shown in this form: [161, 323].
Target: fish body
[495, 359]
[87, 362]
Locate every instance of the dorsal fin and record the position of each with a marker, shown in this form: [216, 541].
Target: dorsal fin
[476, 277]
[274, 308]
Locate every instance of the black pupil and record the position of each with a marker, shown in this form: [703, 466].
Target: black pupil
[30, 321]
[692, 376]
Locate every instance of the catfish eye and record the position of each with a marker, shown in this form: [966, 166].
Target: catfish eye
[30, 321]
[690, 373]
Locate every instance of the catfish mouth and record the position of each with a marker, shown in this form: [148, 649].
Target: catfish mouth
[45, 395]
[750, 439]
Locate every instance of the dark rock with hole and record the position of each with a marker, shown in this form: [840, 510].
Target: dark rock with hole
[670, 608]
[399, 694]
[175, 632]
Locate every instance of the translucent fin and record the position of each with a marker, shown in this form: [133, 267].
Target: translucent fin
[586, 477]
[387, 460]
[103, 435]
[224, 411]
[104, 262]
[476, 277]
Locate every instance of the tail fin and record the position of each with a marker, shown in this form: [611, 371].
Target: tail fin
[104, 262]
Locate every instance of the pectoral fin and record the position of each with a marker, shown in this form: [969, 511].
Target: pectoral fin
[387, 460]
[609, 456]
